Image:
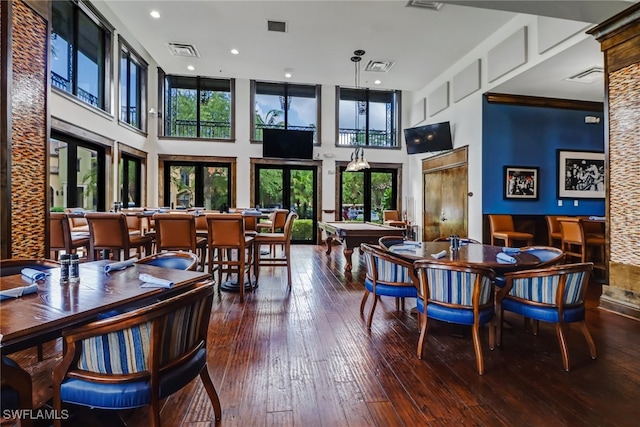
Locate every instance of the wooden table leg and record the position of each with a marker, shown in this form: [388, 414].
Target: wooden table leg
[347, 254]
[329, 244]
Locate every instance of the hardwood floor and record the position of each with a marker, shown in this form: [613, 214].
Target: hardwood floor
[305, 358]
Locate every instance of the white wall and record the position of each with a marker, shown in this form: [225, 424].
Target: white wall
[466, 114]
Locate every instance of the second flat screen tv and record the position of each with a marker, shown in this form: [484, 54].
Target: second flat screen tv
[424, 139]
[287, 144]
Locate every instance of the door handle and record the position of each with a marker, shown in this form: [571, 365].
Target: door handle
[442, 217]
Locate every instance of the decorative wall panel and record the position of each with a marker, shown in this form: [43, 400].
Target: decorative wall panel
[624, 166]
[438, 100]
[466, 81]
[508, 55]
[28, 128]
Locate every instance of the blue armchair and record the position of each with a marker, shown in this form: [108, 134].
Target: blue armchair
[553, 294]
[386, 276]
[139, 357]
[456, 293]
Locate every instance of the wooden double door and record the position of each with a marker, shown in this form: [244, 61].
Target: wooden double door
[445, 192]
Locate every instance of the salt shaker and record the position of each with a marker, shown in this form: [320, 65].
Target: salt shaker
[65, 262]
[74, 269]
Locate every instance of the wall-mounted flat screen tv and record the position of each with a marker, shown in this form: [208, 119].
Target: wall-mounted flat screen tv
[428, 138]
[287, 144]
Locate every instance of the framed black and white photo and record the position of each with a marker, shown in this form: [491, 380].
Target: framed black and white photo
[521, 183]
[580, 174]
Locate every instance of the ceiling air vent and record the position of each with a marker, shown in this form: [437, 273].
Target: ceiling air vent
[277, 26]
[591, 75]
[433, 5]
[183, 49]
[379, 66]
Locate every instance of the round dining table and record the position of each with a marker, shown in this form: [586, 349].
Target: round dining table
[469, 253]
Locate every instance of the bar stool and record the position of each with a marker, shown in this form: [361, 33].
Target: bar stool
[284, 239]
[502, 228]
[555, 231]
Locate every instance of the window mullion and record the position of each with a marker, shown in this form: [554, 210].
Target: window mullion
[74, 50]
[286, 110]
[198, 94]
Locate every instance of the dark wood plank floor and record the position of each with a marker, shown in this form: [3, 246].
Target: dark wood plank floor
[305, 358]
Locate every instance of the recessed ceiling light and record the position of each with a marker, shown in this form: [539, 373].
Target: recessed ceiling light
[155, 14]
[287, 75]
[288, 72]
[377, 82]
[190, 67]
[235, 51]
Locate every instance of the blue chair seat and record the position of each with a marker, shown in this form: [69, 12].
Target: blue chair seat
[132, 394]
[408, 291]
[454, 315]
[546, 314]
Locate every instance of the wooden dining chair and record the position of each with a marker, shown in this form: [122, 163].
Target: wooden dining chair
[276, 222]
[456, 293]
[77, 220]
[274, 260]
[502, 228]
[552, 294]
[577, 244]
[392, 218]
[386, 276]
[61, 238]
[230, 249]
[177, 232]
[554, 230]
[109, 232]
[15, 389]
[137, 358]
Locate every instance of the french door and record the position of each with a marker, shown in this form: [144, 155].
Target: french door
[292, 188]
[197, 184]
[365, 194]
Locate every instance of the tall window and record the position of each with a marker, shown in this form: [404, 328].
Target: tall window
[130, 168]
[368, 117]
[198, 107]
[285, 106]
[133, 87]
[80, 51]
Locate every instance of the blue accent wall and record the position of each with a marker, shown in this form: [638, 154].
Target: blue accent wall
[515, 135]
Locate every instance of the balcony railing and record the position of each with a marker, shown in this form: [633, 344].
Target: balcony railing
[61, 83]
[189, 129]
[377, 138]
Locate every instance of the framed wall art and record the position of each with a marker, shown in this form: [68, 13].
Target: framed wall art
[521, 183]
[580, 174]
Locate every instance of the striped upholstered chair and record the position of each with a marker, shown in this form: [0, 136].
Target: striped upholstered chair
[553, 294]
[386, 276]
[456, 293]
[139, 357]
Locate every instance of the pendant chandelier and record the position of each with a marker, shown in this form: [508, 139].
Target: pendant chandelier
[358, 162]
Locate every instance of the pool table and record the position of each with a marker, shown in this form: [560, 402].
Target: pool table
[351, 234]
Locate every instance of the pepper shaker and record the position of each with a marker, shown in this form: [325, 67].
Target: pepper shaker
[74, 269]
[65, 262]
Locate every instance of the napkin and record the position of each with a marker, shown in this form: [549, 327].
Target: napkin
[508, 250]
[119, 265]
[411, 243]
[154, 282]
[34, 275]
[18, 292]
[505, 259]
[440, 254]
[401, 249]
[597, 218]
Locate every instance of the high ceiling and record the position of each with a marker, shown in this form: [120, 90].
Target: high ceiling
[321, 37]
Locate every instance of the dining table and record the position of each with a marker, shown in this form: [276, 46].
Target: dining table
[468, 253]
[41, 316]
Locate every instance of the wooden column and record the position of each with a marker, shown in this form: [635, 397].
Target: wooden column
[24, 128]
[620, 42]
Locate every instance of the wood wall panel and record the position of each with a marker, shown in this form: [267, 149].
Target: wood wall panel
[28, 174]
